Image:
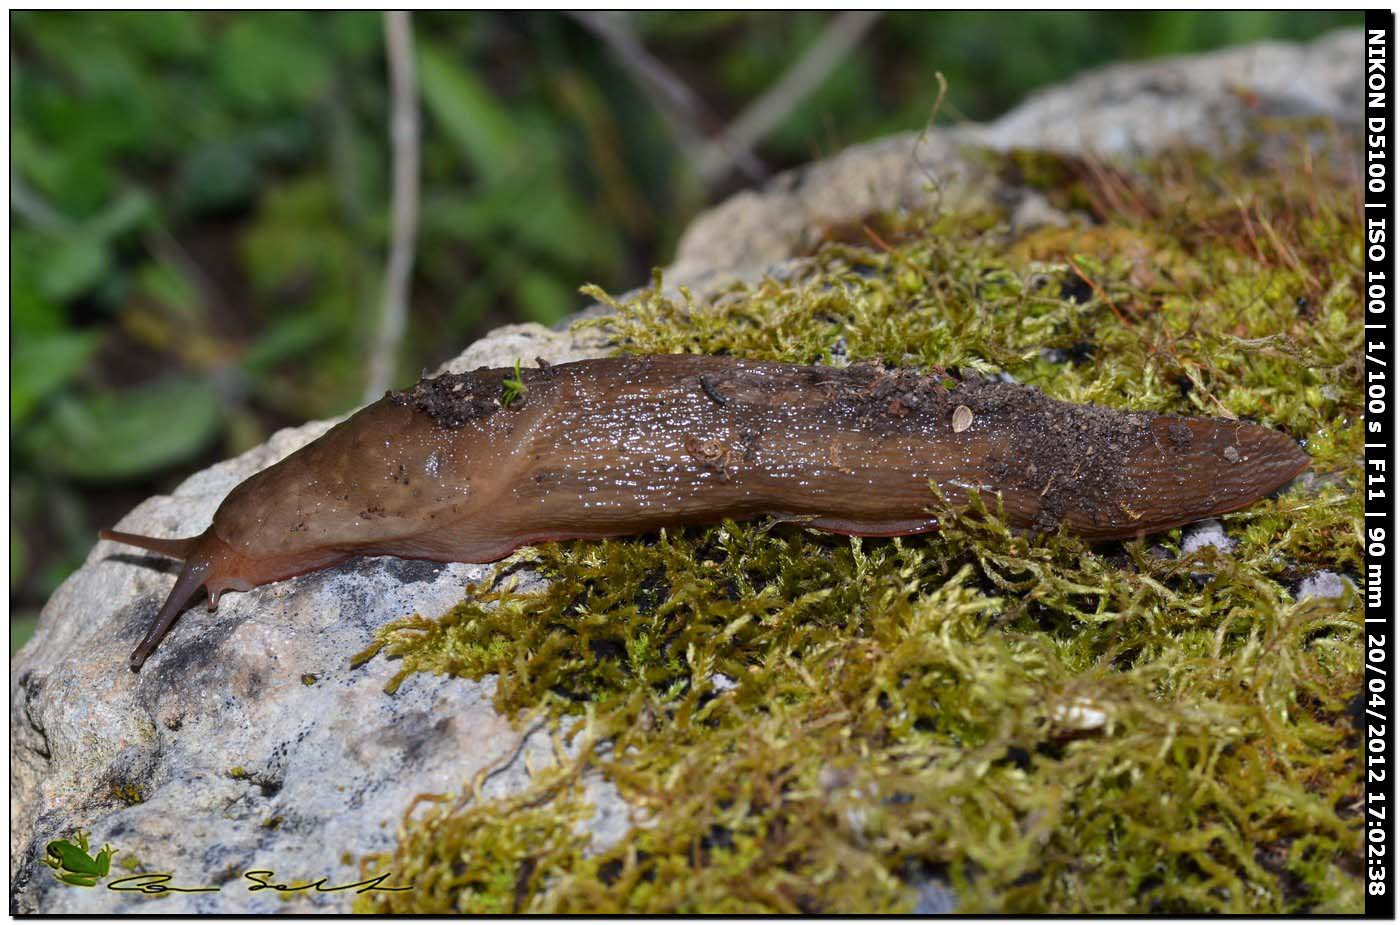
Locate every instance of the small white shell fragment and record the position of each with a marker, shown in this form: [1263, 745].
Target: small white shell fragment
[962, 418]
[1232, 454]
[1079, 715]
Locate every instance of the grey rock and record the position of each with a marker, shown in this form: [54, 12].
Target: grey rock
[1207, 533]
[1312, 483]
[1324, 585]
[741, 239]
[1033, 211]
[934, 897]
[528, 343]
[238, 764]
[1207, 100]
[251, 741]
[722, 683]
[1121, 111]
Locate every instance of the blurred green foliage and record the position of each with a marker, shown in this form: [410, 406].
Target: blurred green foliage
[199, 201]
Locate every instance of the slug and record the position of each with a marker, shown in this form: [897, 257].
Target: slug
[454, 469]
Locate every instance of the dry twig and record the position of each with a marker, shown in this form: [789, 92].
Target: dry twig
[767, 112]
[405, 143]
[685, 114]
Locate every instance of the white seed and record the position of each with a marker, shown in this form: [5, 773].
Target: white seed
[962, 418]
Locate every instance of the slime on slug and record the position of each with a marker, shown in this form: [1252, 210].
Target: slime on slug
[621, 446]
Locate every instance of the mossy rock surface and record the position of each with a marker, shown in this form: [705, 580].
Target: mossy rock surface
[820, 724]
[755, 717]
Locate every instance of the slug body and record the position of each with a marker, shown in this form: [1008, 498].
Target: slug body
[616, 447]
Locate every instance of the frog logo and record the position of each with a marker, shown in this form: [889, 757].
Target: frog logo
[73, 865]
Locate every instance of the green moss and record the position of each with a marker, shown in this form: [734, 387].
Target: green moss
[127, 792]
[512, 386]
[811, 723]
[469, 856]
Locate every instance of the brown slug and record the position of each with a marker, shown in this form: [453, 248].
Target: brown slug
[615, 447]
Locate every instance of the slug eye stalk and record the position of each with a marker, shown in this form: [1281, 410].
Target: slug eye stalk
[192, 578]
[209, 564]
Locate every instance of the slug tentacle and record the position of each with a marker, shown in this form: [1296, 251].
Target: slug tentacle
[449, 471]
[214, 565]
[192, 578]
[174, 548]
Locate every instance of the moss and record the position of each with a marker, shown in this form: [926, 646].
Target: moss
[812, 723]
[490, 857]
[128, 793]
[512, 386]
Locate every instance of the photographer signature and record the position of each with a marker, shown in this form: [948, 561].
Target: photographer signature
[74, 864]
[155, 884]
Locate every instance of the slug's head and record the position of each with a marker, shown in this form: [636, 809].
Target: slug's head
[210, 564]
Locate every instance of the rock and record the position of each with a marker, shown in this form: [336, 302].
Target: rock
[527, 343]
[247, 738]
[743, 237]
[1206, 533]
[1121, 111]
[934, 897]
[928, 892]
[1312, 483]
[248, 742]
[1207, 100]
[722, 683]
[1033, 211]
[1324, 585]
